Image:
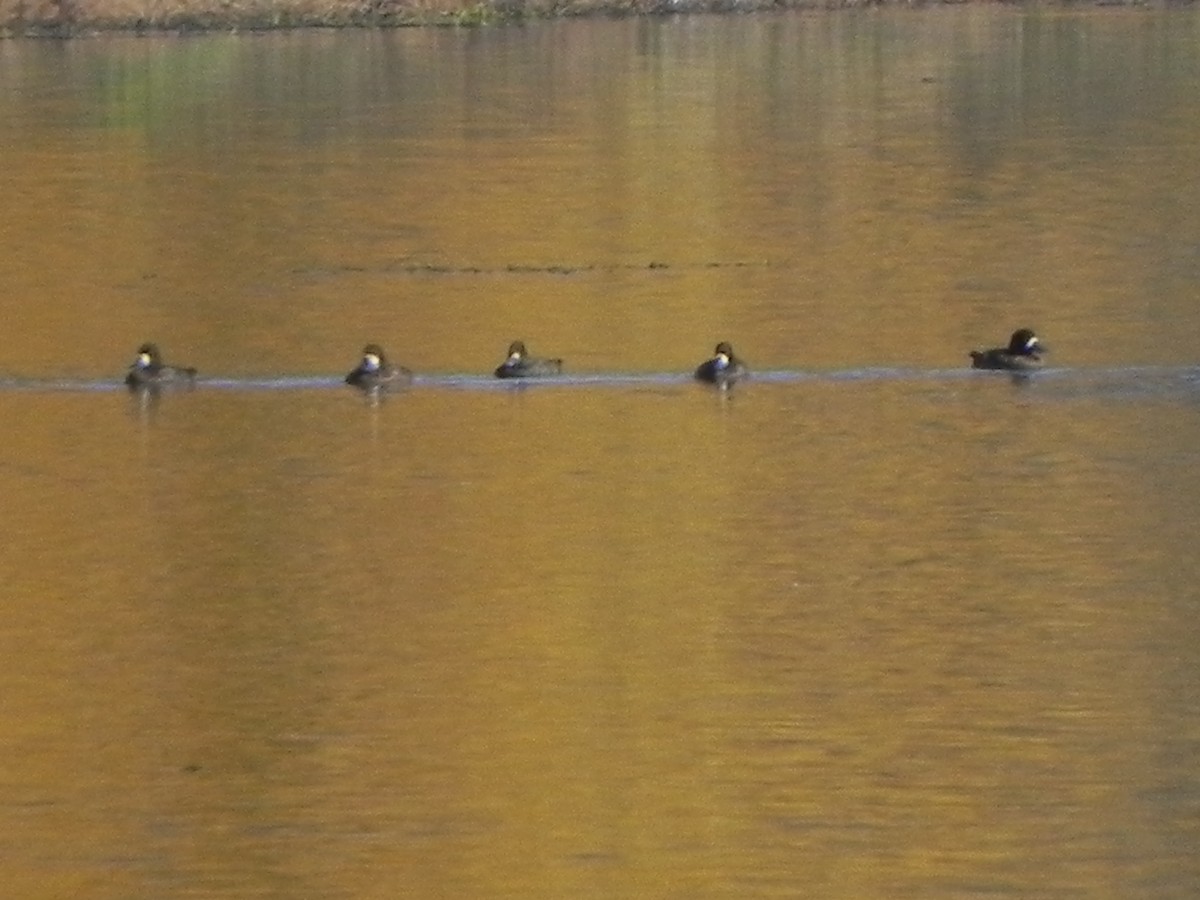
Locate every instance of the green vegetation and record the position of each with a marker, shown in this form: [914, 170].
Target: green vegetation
[69, 18]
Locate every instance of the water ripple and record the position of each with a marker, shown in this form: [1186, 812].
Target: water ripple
[1139, 379]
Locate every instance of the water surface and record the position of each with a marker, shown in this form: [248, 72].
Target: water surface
[868, 625]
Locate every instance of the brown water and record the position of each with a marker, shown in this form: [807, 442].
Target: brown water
[870, 625]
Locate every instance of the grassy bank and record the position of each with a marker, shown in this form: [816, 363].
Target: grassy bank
[73, 17]
[66, 18]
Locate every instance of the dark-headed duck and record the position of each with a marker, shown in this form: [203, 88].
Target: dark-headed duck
[1023, 354]
[520, 365]
[724, 368]
[148, 370]
[374, 371]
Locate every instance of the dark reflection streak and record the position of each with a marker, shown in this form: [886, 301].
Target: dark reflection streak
[374, 399]
[29, 471]
[143, 405]
[724, 392]
[412, 268]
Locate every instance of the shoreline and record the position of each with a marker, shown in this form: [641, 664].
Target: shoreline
[58, 19]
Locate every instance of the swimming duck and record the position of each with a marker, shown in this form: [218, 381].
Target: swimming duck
[724, 368]
[148, 370]
[376, 372]
[519, 365]
[1023, 354]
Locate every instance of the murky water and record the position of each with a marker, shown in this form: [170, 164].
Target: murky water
[869, 625]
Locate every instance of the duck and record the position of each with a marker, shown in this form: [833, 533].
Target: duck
[374, 371]
[724, 368]
[520, 365]
[148, 370]
[1023, 354]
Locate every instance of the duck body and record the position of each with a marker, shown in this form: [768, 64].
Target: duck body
[520, 365]
[724, 368]
[149, 371]
[1023, 354]
[375, 371]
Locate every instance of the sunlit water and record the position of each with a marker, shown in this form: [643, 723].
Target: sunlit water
[869, 624]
